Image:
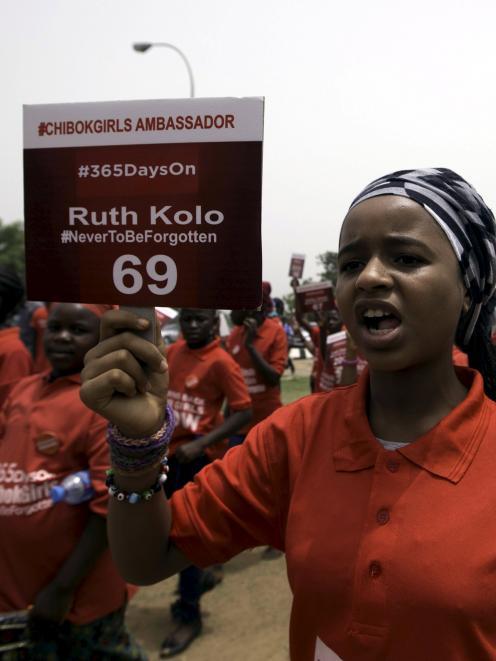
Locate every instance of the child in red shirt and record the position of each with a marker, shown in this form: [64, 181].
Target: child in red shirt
[55, 556]
[202, 376]
[15, 359]
[259, 346]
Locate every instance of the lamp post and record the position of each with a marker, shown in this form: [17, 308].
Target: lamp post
[143, 47]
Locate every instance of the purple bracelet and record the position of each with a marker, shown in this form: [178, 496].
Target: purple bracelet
[349, 362]
[131, 454]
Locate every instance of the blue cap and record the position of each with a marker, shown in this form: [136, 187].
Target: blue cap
[57, 493]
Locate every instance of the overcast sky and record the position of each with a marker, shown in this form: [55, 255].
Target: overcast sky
[353, 89]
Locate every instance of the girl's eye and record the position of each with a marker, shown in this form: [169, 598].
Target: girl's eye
[409, 260]
[79, 330]
[349, 267]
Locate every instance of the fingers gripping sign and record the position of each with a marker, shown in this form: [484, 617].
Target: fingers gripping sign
[125, 377]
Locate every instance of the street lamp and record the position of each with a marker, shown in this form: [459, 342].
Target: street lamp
[142, 47]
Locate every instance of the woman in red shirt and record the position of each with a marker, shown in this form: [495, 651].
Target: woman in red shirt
[381, 493]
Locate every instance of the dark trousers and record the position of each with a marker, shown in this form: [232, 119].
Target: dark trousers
[190, 579]
[105, 638]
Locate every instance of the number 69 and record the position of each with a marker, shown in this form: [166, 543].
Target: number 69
[121, 271]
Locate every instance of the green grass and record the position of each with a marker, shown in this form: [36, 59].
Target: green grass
[294, 388]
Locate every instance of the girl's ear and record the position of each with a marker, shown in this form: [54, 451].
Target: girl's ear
[466, 303]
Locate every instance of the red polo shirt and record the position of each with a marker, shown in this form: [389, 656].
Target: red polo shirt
[15, 360]
[271, 342]
[46, 433]
[390, 555]
[199, 382]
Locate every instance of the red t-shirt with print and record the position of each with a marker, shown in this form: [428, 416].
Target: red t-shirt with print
[271, 342]
[15, 360]
[199, 382]
[47, 433]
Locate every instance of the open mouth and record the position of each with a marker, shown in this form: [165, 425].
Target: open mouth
[59, 352]
[379, 322]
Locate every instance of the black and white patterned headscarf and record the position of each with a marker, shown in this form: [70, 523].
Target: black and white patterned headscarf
[465, 219]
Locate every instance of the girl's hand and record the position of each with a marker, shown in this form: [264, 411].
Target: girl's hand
[251, 327]
[351, 349]
[125, 378]
[189, 452]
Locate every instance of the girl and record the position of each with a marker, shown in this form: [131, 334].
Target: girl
[202, 376]
[259, 346]
[55, 556]
[381, 493]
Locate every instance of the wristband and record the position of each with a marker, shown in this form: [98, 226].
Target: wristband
[137, 454]
[134, 497]
[350, 362]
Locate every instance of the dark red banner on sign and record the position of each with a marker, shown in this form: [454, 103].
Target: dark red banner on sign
[154, 225]
[318, 296]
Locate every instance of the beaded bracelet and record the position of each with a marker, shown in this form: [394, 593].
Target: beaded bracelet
[132, 454]
[134, 497]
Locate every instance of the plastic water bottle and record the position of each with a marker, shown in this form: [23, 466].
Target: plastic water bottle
[74, 489]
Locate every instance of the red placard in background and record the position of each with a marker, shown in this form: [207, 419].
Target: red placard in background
[296, 266]
[316, 296]
[145, 203]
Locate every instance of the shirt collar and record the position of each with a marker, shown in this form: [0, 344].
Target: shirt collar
[202, 353]
[447, 450]
[72, 378]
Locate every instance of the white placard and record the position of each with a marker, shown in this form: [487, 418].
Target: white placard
[154, 121]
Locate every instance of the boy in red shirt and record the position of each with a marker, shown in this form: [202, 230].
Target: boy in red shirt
[259, 346]
[202, 376]
[15, 359]
[55, 556]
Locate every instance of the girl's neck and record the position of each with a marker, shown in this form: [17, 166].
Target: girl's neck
[404, 405]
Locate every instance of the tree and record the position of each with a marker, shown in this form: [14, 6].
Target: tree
[328, 261]
[12, 246]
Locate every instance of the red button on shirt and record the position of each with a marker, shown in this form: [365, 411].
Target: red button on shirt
[382, 516]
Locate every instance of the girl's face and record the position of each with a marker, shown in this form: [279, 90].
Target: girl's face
[72, 330]
[399, 287]
[197, 326]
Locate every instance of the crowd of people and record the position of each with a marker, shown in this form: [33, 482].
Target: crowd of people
[378, 487]
[219, 388]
